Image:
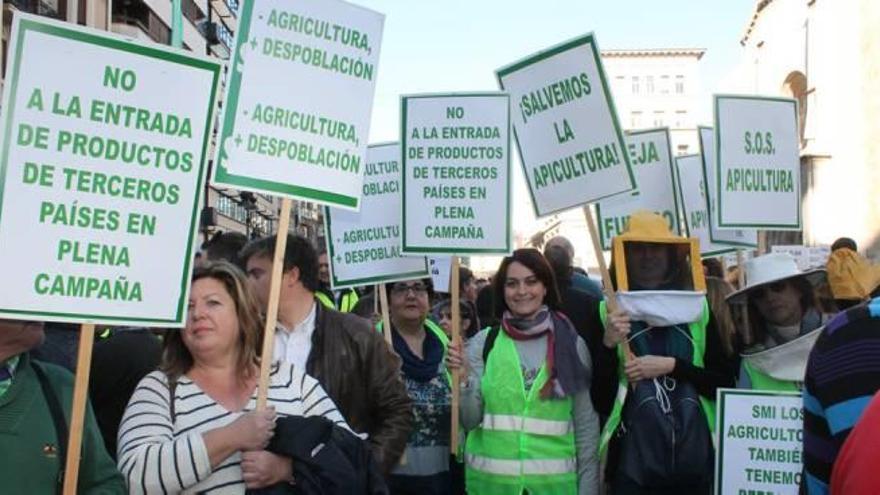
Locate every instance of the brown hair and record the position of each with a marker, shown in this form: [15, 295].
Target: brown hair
[716, 291]
[177, 359]
[534, 261]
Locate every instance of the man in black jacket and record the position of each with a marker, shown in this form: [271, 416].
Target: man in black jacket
[349, 359]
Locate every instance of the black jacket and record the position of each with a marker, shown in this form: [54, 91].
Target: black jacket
[327, 459]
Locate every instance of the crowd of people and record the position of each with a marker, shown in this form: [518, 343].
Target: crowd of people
[563, 388]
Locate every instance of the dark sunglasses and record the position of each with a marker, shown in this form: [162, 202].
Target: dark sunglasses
[762, 292]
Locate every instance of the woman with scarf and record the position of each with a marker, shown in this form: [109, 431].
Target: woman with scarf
[784, 322]
[526, 400]
[421, 345]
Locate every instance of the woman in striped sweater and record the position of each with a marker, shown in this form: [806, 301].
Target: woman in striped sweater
[191, 427]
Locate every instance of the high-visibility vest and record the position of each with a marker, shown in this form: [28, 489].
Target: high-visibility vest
[762, 381]
[525, 444]
[698, 335]
[324, 300]
[348, 300]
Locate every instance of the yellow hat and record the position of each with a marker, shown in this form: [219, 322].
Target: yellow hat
[851, 276]
[646, 226]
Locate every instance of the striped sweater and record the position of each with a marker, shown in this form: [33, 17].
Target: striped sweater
[843, 373]
[158, 457]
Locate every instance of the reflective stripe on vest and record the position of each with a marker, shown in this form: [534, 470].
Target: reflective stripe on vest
[324, 300]
[535, 426]
[505, 467]
[525, 444]
[698, 334]
[761, 381]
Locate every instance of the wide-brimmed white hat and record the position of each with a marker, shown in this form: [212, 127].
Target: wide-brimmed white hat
[772, 268]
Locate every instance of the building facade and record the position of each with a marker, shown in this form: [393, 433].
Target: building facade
[825, 54]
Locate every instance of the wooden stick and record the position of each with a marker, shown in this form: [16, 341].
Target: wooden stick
[78, 409]
[741, 276]
[376, 298]
[608, 288]
[272, 311]
[386, 315]
[456, 339]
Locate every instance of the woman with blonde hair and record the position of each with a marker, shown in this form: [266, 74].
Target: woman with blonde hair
[191, 426]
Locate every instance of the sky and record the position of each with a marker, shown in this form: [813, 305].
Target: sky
[456, 45]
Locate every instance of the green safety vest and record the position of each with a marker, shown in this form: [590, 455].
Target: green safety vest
[348, 301]
[346, 304]
[698, 334]
[324, 300]
[524, 444]
[761, 381]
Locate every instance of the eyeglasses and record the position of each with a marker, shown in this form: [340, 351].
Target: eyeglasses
[418, 289]
[777, 287]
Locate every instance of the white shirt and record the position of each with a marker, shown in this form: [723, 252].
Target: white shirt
[294, 346]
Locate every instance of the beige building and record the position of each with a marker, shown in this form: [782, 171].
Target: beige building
[658, 87]
[826, 54]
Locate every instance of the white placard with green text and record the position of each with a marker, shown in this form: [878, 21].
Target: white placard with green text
[760, 439]
[692, 188]
[651, 158]
[364, 245]
[747, 238]
[297, 110]
[456, 173]
[102, 168]
[566, 128]
[441, 272]
[758, 164]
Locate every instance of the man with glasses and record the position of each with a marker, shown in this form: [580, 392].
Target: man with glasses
[352, 362]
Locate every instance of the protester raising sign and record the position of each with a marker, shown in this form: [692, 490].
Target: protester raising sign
[101, 174]
[759, 180]
[566, 129]
[692, 187]
[456, 173]
[364, 246]
[651, 159]
[298, 101]
[747, 238]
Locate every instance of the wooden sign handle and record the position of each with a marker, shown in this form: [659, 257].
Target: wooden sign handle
[386, 314]
[608, 288]
[456, 339]
[78, 409]
[266, 355]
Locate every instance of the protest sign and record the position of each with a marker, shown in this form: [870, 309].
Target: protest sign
[566, 128]
[364, 246]
[758, 162]
[739, 237]
[651, 158]
[760, 438]
[806, 257]
[456, 173]
[733, 259]
[692, 187]
[440, 268]
[102, 167]
[298, 101]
